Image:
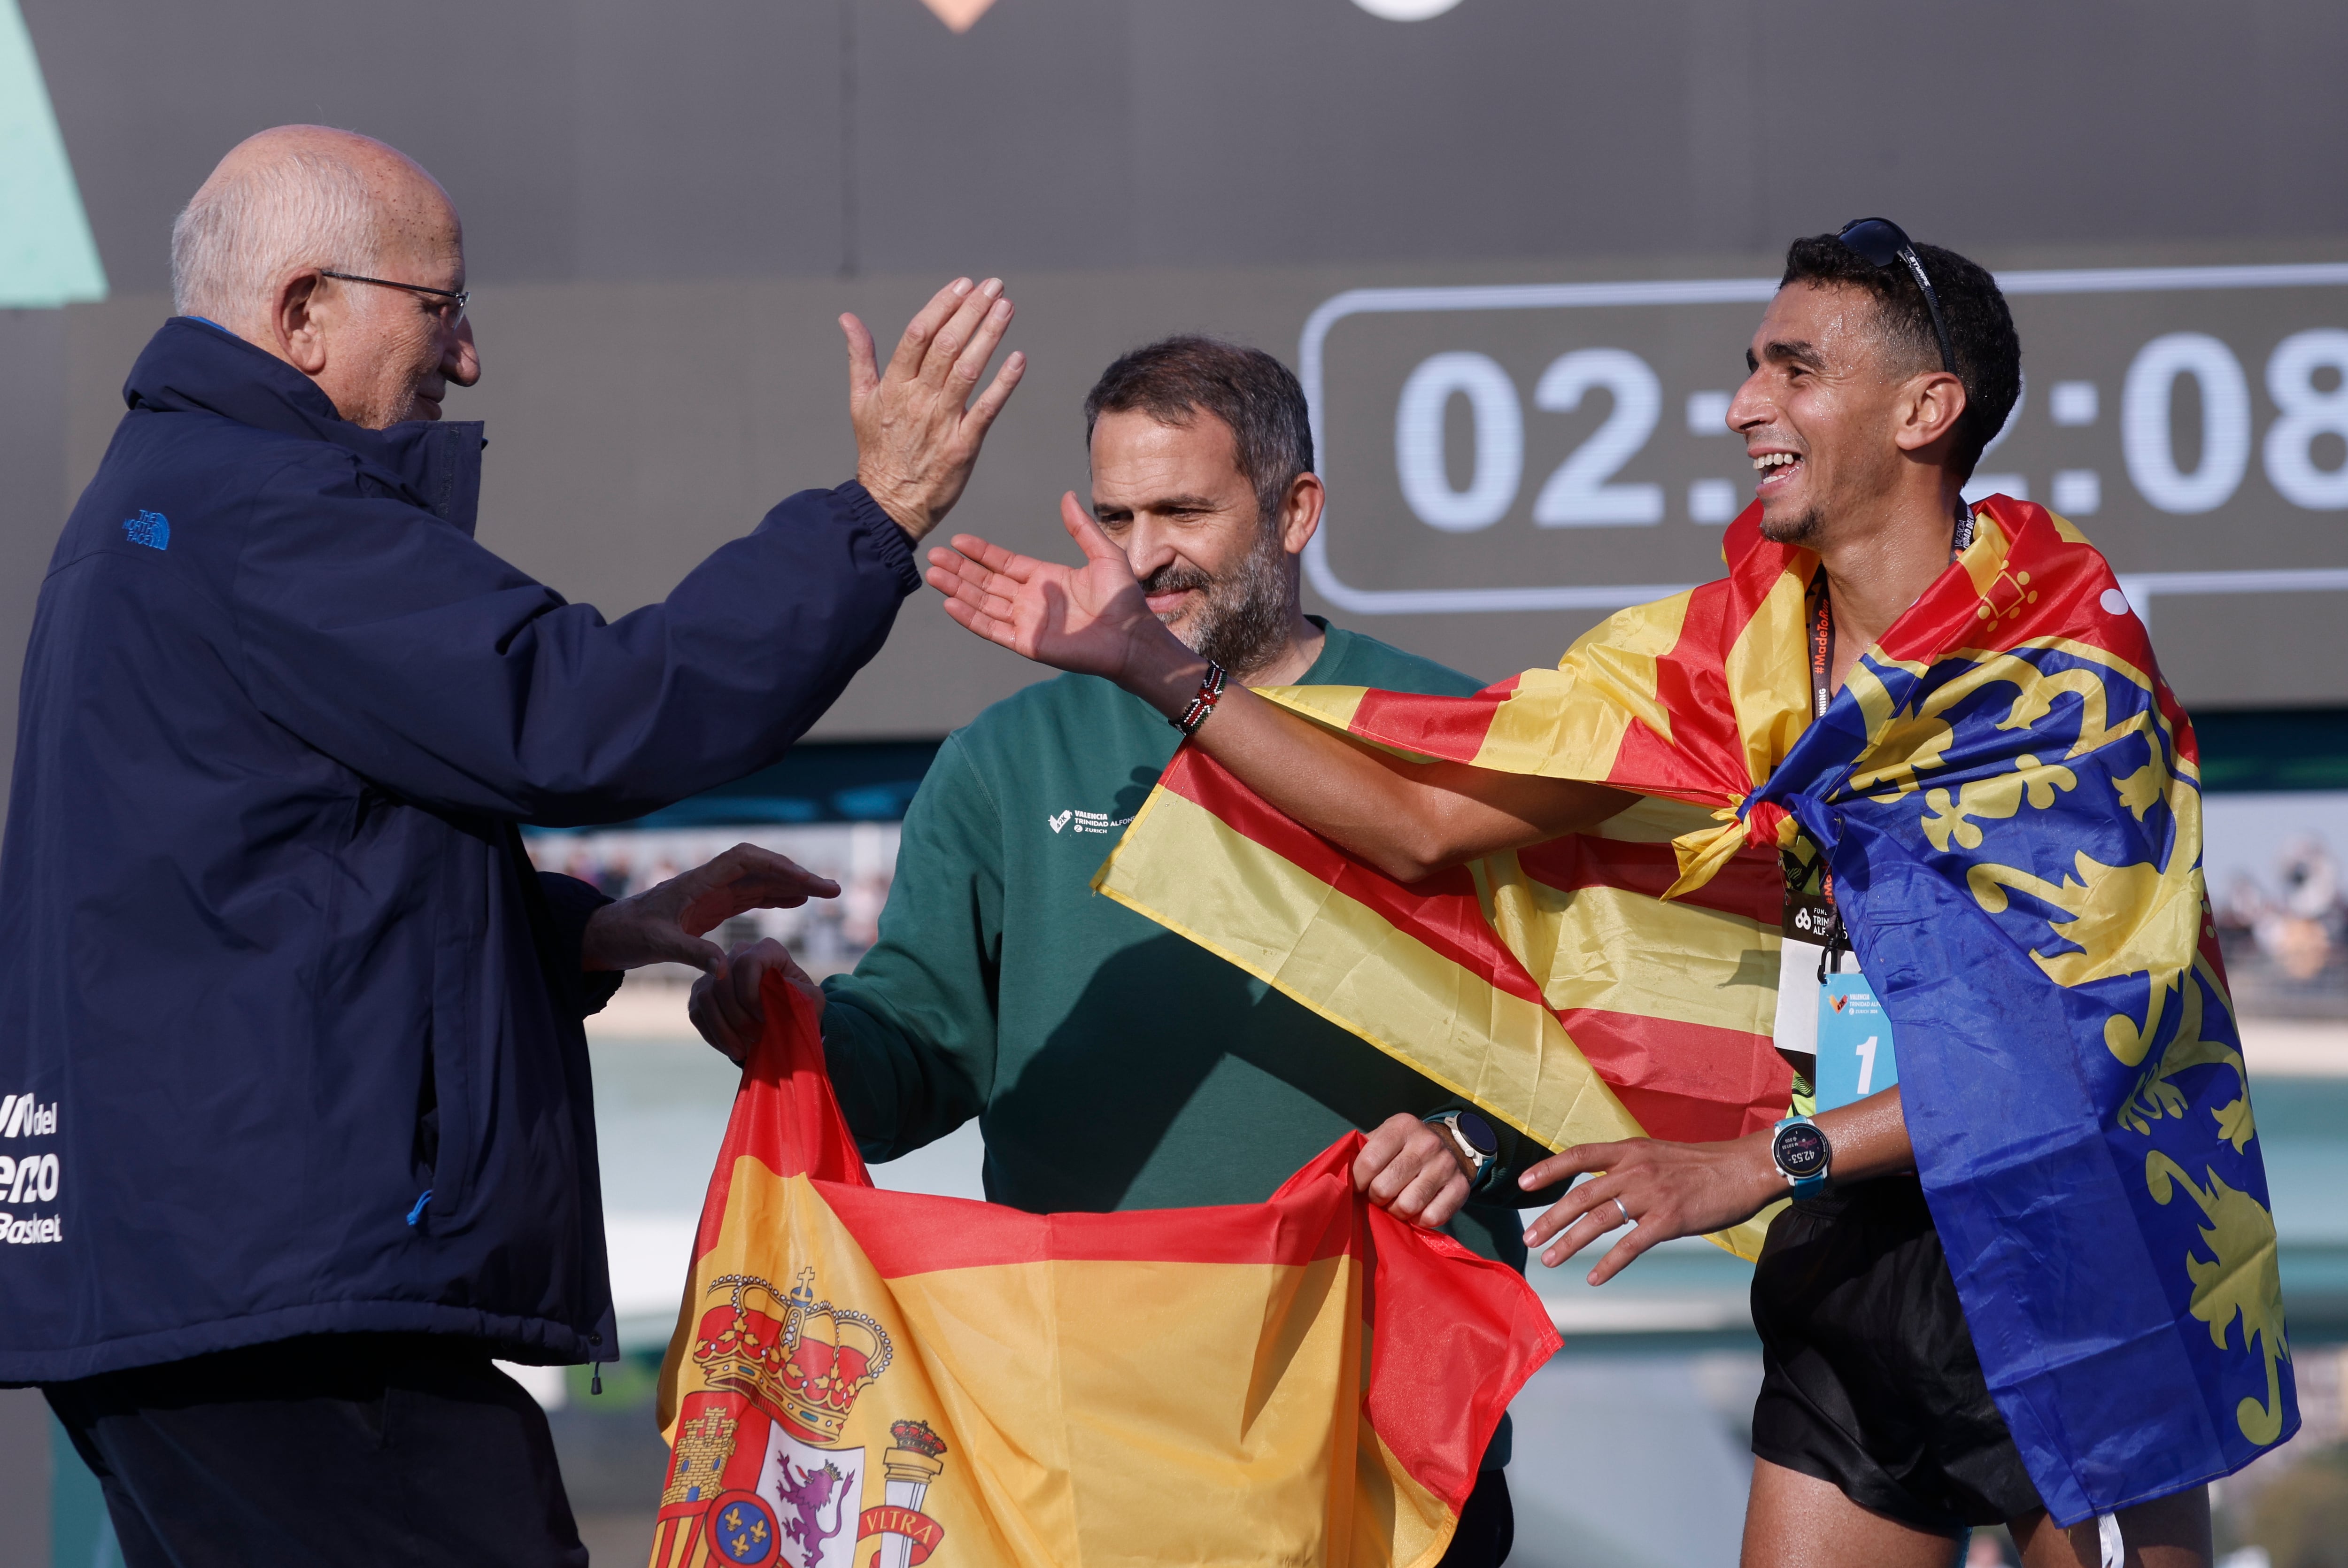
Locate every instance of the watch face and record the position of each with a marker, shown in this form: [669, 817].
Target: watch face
[1800, 1150]
[1479, 1134]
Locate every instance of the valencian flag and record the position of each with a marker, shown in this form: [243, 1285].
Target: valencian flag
[2008, 799]
[863, 1377]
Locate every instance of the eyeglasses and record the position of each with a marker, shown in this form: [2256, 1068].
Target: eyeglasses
[1882, 242]
[461, 296]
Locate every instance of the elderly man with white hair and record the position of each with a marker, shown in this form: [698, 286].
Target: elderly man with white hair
[300, 1133]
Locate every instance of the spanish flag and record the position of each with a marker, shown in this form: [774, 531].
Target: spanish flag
[863, 1377]
[2007, 796]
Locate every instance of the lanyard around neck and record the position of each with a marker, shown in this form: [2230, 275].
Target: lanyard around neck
[1822, 630]
[1821, 646]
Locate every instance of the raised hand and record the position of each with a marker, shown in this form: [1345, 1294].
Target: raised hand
[1093, 619]
[917, 431]
[665, 924]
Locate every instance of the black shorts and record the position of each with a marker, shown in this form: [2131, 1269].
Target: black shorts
[1487, 1525]
[1869, 1378]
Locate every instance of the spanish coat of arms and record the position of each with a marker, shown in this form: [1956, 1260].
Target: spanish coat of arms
[760, 1476]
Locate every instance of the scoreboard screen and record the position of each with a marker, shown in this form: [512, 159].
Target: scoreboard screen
[1563, 446]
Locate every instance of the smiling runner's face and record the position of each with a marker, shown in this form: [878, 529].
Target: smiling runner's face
[1821, 412]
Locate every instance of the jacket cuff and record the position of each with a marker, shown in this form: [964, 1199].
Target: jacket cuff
[572, 902]
[895, 546]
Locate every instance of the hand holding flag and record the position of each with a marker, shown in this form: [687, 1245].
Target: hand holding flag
[1410, 1170]
[1305, 1380]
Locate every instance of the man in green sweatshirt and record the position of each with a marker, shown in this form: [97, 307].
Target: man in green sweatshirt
[1112, 1064]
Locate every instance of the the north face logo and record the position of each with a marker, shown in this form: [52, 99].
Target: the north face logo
[151, 528]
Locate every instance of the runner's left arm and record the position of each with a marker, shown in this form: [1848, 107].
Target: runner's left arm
[1671, 1190]
[1406, 817]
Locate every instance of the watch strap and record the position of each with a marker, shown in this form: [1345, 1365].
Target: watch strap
[1478, 1160]
[1803, 1186]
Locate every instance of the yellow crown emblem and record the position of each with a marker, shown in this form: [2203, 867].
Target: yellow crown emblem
[803, 1361]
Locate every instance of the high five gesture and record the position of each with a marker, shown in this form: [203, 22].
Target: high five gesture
[1407, 819]
[1093, 619]
[918, 430]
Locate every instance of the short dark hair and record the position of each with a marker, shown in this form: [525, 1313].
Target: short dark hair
[1257, 396]
[1981, 329]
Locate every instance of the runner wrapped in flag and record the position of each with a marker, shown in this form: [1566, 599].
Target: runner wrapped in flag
[860, 1376]
[2028, 1275]
[2008, 799]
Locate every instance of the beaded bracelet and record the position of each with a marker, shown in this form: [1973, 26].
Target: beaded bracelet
[1211, 690]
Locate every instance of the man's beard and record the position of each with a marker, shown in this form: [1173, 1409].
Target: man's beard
[1802, 530]
[1242, 621]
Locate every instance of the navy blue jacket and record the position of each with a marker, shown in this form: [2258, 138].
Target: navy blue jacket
[272, 962]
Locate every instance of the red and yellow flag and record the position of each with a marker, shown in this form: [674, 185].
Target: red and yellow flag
[865, 1378]
[1604, 985]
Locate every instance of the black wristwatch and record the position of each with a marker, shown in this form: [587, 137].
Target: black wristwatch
[1471, 1136]
[1802, 1155]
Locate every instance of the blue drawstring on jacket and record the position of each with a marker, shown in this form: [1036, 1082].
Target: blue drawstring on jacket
[417, 1213]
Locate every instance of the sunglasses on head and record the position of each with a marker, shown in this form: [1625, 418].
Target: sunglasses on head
[1881, 241]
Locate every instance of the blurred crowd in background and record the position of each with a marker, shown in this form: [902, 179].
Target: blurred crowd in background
[2285, 935]
[2284, 932]
[826, 935]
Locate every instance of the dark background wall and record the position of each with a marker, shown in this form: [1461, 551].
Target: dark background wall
[32, 458]
[600, 140]
[667, 206]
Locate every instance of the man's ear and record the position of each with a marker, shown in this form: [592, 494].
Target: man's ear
[1936, 402]
[297, 324]
[1300, 513]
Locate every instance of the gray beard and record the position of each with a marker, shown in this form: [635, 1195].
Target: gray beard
[1243, 620]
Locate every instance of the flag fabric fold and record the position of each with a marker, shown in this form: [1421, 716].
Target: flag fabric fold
[866, 1378]
[2007, 796]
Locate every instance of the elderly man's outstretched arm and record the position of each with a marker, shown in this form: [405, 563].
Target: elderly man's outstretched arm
[371, 624]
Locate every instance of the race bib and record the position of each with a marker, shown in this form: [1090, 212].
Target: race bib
[1853, 1040]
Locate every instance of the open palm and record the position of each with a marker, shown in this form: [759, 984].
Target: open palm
[1090, 618]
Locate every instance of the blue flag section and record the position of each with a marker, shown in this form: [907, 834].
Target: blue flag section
[2009, 799]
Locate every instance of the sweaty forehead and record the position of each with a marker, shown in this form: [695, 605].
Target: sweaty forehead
[1836, 328]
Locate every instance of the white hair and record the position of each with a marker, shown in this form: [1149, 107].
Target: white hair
[239, 235]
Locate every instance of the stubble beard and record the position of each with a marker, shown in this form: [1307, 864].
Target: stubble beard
[1241, 621]
[1802, 528]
